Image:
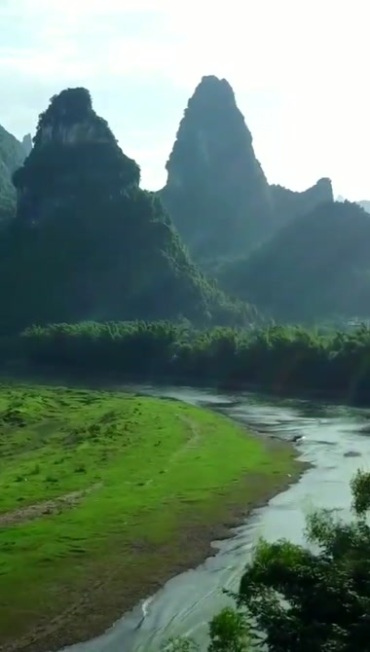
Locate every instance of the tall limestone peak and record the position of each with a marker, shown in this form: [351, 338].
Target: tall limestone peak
[216, 191]
[213, 132]
[87, 242]
[74, 152]
[27, 144]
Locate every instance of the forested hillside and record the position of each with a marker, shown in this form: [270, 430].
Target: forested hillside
[289, 204]
[87, 242]
[316, 267]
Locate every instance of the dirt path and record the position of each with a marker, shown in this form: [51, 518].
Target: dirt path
[192, 441]
[44, 508]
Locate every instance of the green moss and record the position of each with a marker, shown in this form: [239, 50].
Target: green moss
[152, 470]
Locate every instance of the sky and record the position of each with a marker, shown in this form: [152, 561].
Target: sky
[299, 69]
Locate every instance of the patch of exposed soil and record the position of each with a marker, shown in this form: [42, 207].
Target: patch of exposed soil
[44, 508]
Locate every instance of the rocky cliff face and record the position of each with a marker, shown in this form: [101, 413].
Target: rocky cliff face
[87, 242]
[27, 144]
[216, 191]
[12, 156]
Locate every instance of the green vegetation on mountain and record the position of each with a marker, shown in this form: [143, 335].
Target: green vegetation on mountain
[278, 358]
[87, 242]
[12, 155]
[84, 479]
[289, 205]
[315, 268]
[216, 191]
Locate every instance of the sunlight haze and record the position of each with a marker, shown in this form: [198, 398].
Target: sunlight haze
[299, 71]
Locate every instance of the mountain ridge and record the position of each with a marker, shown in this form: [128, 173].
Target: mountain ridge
[316, 267]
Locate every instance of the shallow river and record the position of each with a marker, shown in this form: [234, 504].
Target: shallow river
[334, 441]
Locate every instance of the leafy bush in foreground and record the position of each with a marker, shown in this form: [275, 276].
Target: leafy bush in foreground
[228, 632]
[302, 599]
[298, 599]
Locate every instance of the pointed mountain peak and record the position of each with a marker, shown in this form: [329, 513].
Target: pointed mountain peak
[213, 89]
[216, 191]
[70, 118]
[75, 154]
[325, 186]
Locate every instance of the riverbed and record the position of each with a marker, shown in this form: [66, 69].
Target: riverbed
[333, 439]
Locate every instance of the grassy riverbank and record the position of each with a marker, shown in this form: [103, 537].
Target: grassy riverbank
[104, 496]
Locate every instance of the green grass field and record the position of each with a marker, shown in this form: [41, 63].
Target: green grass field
[105, 495]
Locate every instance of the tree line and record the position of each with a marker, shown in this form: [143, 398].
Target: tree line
[277, 358]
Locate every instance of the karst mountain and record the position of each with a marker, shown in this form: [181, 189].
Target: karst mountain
[216, 192]
[87, 242]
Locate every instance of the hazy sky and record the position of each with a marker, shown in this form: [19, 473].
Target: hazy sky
[300, 70]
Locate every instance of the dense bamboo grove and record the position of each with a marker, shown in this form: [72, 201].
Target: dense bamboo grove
[280, 357]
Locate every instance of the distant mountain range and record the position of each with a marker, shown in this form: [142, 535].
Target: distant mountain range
[80, 240]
